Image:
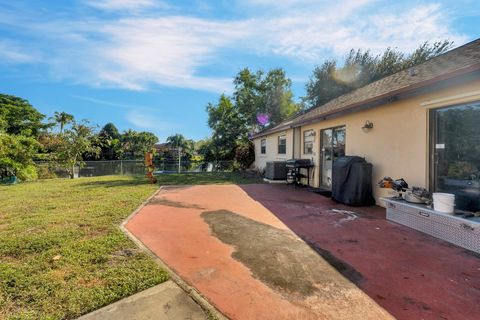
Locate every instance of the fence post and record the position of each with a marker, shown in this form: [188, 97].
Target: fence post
[121, 167]
[179, 158]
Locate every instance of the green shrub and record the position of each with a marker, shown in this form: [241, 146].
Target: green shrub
[44, 171]
[245, 154]
[16, 154]
[27, 173]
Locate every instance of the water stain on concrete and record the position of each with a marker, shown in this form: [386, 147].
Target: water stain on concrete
[175, 204]
[276, 257]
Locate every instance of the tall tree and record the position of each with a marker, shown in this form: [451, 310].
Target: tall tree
[129, 139]
[74, 144]
[19, 117]
[206, 149]
[247, 97]
[110, 131]
[277, 96]
[109, 142]
[177, 140]
[360, 68]
[62, 119]
[263, 98]
[227, 126]
[135, 144]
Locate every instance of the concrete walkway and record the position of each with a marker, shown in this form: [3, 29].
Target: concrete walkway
[243, 259]
[166, 301]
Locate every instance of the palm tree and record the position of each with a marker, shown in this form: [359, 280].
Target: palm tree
[129, 141]
[62, 118]
[177, 140]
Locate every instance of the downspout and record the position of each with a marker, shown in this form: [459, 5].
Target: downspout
[293, 144]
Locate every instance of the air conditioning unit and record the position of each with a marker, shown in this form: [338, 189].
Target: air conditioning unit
[276, 170]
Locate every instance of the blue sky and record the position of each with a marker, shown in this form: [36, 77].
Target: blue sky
[154, 65]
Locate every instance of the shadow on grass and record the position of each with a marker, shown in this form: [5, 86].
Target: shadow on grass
[175, 179]
[206, 178]
[134, 181]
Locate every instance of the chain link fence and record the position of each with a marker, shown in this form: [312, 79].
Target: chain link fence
[132, 167]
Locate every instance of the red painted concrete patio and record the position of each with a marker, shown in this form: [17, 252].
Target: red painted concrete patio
[409, 274]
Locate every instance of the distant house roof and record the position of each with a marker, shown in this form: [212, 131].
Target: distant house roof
[462, 60]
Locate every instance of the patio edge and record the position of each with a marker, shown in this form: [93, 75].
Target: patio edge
[190, 290]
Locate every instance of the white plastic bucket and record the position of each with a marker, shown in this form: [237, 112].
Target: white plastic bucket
[444, 202]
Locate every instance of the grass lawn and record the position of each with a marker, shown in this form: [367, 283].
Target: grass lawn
[207, 178]
[62, 253]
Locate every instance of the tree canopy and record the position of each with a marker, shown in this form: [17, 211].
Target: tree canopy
[177, 140]
[74, 144]
[228, 127]
[19, 117]
[360, 68]
[109, 139]
[109, 131]
[259, 99]
[16, 156]
[263, 99]
[25, 136]
[62, 118]
[135, 144]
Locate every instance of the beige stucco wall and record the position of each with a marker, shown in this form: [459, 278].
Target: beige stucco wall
[397, 146]
[272, 149]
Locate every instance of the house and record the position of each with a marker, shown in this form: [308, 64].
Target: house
[421, 124]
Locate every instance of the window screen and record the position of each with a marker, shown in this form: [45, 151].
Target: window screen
[282, 144]
[308, 139]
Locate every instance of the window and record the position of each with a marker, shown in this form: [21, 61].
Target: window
[263, 146]
[455, 155]
[308, 139]
[282, 144]
[332, 147]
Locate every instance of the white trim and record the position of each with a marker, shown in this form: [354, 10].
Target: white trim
[448, 99]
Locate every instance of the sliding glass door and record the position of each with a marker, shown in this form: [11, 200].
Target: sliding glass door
[455, 153]
[332, 146]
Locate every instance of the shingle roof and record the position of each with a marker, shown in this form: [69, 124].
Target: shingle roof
[456, 62]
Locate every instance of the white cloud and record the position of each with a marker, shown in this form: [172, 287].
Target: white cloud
[136, 53]
[122, 4]
[142, 51]
[306, 34]
[142, 120]
[11, 52]
[114, 104]
[149, 121]
[166, 51]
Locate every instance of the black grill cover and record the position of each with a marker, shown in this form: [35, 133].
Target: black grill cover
[352, 181]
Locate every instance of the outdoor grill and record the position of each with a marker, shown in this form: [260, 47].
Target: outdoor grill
[294, 167]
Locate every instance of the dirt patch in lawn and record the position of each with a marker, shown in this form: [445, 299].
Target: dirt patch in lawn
[277, 257]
